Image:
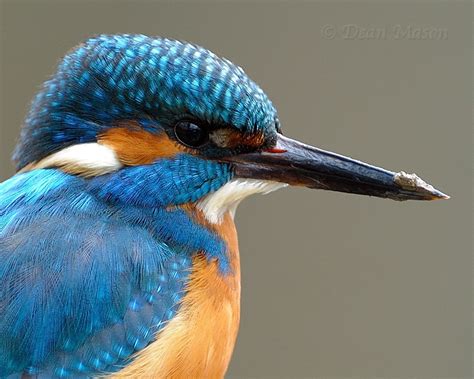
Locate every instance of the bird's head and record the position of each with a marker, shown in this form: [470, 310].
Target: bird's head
[169, 122]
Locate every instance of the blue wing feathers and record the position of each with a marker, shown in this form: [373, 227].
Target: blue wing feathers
[82, 284]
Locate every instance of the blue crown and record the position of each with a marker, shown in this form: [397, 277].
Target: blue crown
[153, 81]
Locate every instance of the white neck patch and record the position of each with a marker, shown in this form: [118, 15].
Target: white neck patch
[86, 159]
[227, 198]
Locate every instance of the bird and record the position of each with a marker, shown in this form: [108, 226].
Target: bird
[118, 249]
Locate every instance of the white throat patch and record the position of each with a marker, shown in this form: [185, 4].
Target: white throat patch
[228, 197]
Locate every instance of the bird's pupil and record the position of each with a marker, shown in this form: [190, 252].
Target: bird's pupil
[191, 134]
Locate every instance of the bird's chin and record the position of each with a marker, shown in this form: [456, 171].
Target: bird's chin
[296, 163]
[226, 199]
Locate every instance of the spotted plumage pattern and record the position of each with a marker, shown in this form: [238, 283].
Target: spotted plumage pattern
[152, 81]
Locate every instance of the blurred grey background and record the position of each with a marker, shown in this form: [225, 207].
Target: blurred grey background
[334, 285]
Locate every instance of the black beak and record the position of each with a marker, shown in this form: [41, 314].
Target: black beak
[298, 164]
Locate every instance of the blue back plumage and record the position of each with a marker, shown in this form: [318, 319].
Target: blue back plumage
[89, 280]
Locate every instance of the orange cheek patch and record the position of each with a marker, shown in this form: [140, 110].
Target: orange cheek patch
[136, 147]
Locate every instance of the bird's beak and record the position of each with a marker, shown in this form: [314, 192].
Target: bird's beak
[299, 164]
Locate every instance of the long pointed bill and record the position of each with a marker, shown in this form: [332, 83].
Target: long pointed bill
[298, 164]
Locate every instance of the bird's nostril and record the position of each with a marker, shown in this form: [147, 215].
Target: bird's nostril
[277, 125]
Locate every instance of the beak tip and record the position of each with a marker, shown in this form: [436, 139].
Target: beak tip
[415, 185]
[438, 195]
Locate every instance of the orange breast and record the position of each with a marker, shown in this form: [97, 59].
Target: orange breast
[198, 342]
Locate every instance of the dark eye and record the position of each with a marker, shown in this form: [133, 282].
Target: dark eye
[191, 134]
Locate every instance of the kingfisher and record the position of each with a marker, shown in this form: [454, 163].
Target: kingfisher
[118, 249]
